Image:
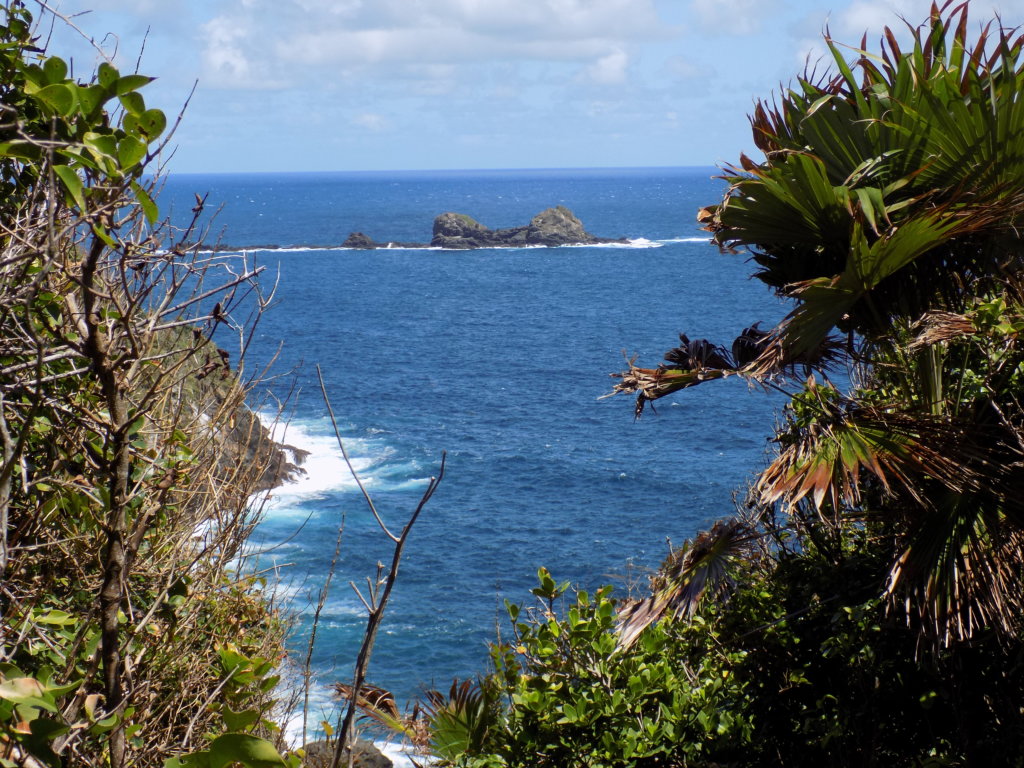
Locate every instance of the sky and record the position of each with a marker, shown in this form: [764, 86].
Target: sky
[347, 85]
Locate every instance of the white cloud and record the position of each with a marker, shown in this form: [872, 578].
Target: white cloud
[681, 68]
[275, 40]
[227, 61]
[142, 8]
[610, 69]
[872, 16]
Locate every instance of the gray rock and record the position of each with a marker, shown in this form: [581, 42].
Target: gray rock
[358, 240]
[551, 227]
[557, 226]
[457, 230]
[320, 753]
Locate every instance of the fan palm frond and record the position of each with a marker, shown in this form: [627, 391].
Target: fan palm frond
[700, 569]
[959, 572]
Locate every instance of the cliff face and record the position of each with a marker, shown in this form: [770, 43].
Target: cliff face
[248, 442]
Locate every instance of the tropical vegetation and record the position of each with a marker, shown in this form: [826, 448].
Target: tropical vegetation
[128, 633]
[864, 607]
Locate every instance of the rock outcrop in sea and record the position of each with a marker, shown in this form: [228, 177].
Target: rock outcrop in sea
[551, 227]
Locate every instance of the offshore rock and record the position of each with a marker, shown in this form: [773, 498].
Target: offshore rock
[551, 227]
[358, 240]
[457, 230]
[558, 226]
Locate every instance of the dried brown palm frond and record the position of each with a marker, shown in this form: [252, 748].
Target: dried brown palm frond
[777, 359]
[757, 356]
[908, 454]
[650, 384]
[378, 704]
[371, 699]
[938, 327]
[959, 573]
[700, 569]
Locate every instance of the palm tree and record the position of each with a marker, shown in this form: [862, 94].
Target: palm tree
[888, 208]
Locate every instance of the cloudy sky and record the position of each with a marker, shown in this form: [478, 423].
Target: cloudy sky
[309, 85]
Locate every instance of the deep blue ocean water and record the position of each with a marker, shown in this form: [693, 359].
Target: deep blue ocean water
[498, 357]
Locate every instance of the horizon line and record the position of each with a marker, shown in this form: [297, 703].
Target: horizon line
[453, 170]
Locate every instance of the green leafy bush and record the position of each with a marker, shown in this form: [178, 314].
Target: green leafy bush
[114, 450]
[566, 694]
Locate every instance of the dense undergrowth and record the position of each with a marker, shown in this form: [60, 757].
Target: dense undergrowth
[128, 460]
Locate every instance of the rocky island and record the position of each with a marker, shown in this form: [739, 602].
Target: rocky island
[551, 227]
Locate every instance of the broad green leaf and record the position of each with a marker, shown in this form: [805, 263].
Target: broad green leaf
[90, 99]
[47, 730]
[53, 616]
[101, 143]
[149, 208]
[105, 725]
[101, 232]
[27, 691]
[133, 103]
[107, 75]
[194, 760]
[238, 721]
[56, 69]
[130, 83]
[80, 155]
[248, 750]
[59, 97]
[22, 150]
[130, 151]
[36, 78]
[151, 123]
[72, 183]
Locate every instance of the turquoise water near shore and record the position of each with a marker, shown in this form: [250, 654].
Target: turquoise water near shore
[499, 358]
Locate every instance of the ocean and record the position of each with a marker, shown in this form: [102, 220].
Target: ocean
[500, 359]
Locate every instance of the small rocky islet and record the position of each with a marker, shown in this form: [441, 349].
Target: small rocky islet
[551, 227]
[457, 231]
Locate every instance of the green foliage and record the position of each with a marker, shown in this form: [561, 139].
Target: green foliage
[242, 707]
[571, 697]
[887, 208]
[128, 639]
[801, 665]
[460, 722]
[883, 623]
[53, 120]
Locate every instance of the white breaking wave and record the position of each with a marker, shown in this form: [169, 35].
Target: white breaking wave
[399, 755]
[636, 242]
[324, 467]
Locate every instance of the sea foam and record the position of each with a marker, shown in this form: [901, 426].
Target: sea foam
[324, 469]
